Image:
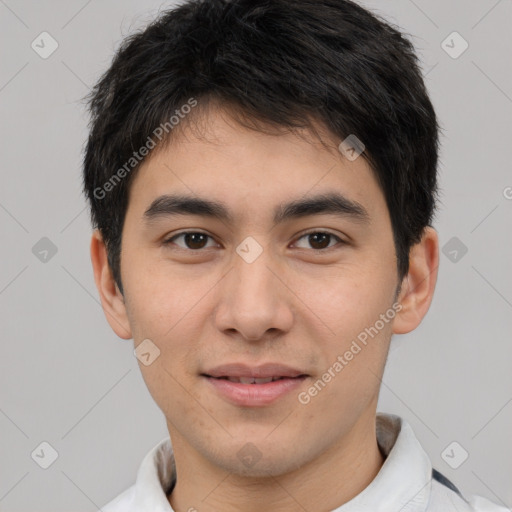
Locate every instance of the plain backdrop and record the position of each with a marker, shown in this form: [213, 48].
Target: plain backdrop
[67, 380]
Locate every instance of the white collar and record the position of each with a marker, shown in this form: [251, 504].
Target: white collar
[403, 482]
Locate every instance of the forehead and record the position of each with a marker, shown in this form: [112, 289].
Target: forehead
[247, 169]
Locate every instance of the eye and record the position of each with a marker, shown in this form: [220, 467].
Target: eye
[196, 240]
[193, 240]
[319, 240]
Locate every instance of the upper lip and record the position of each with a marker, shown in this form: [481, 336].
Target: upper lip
[258, 372]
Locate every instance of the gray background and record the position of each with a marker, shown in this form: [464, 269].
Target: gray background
[66, 379]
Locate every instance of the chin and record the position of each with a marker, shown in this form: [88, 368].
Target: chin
[262, 469]
[263, 462]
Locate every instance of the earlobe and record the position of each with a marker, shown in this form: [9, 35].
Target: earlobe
[112, 300]
[419, 283]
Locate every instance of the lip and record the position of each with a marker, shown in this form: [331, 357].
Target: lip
[254, 395]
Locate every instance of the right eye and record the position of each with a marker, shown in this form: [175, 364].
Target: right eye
[193, 240]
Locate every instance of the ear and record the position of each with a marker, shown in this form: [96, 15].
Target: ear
[419, 283]
[111, 297]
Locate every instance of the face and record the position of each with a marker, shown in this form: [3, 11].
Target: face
[263, 292]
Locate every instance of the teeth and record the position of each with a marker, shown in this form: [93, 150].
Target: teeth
[252, 380]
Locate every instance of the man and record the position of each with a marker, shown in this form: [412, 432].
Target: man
[262, 180]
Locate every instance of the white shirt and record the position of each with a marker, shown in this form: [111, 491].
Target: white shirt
[405, 482]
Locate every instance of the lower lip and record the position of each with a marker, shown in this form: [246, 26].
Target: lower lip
[254, 395]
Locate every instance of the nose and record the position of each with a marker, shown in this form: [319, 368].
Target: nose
[253, 301]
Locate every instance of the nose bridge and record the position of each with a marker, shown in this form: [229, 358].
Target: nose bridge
[251, 300]
[254, 276]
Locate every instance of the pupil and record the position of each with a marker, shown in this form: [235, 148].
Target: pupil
[193, 239]
[323, 236]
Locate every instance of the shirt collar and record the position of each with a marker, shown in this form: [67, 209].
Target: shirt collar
[156, 476]
[403, 483]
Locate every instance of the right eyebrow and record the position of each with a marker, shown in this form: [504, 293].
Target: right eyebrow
[171, 205]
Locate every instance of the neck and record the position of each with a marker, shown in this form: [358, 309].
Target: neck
[323, 484]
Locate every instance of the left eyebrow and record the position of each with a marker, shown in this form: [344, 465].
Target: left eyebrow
[329, 203]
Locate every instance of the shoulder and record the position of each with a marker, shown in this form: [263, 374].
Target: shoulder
[445, 496]
[122, 502]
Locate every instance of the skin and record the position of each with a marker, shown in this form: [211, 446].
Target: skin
[204, 307]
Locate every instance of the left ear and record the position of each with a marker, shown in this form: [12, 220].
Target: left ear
[419, 283]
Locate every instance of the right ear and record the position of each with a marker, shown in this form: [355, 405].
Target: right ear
[112, 299]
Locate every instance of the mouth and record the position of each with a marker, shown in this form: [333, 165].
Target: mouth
[253, 374]
[254, 380]
[247, 386]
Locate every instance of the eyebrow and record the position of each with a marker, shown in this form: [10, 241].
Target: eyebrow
[328, 203]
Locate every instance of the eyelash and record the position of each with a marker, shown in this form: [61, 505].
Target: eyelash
[169, 241]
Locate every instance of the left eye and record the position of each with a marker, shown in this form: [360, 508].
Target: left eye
[321, 239]
[196, 240]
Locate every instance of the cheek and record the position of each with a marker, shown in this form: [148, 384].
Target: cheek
[166, 315]
[354, 357]
[350, 303]
[170, 311]
[162, 295]
[346, 299]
